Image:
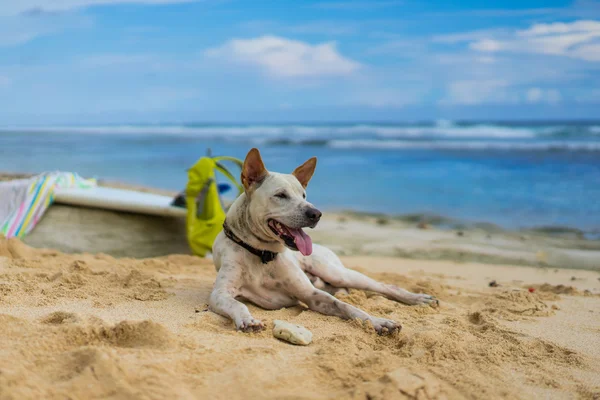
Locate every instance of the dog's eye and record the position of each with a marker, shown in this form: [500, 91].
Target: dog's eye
[303, 195]
[282, 195]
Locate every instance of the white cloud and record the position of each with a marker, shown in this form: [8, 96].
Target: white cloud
[578, 39]
[588, 52]
[561, 27]
[472, 92]
[534, 95]
[537, 95]
[281, 57]
[487, 45]
[15, 7]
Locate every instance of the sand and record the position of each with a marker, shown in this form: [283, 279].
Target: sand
[84, 326]
[129, 235]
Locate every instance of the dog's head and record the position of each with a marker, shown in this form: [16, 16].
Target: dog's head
[277, 202]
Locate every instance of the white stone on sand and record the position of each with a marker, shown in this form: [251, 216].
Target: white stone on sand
[294, 334]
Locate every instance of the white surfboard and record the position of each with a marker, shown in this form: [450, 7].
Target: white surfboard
[119, 200]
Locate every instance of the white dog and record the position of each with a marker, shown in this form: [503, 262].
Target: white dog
[263, 255]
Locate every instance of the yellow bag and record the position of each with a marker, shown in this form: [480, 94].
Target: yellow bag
[205, 211]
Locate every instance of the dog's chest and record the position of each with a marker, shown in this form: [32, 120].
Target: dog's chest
[271, 275]
[267, 285]
[268, 290]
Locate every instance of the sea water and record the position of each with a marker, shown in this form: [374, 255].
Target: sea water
[516, 175]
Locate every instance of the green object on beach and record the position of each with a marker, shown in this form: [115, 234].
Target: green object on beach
[205, 211]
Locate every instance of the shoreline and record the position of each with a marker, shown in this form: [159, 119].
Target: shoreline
[438, 221]
[348, 233]
[451, 223]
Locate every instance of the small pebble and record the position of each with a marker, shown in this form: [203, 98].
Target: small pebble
[294, 334]
[493, 284]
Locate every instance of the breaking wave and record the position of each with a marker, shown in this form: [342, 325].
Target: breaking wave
[299, 131]
[443, 135]
[467, 145]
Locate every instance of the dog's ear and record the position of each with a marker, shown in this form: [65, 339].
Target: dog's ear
[254, 170]
[304, 172]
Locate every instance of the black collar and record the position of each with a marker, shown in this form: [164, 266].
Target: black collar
[265, 256]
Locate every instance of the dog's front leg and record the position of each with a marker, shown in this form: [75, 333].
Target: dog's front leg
[222, 301]
[324, 303]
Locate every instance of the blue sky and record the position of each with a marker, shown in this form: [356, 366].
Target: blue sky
[153, 61]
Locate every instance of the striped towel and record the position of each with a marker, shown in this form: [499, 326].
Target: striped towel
[23, 202]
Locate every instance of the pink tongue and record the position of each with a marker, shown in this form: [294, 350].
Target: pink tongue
[302, 241]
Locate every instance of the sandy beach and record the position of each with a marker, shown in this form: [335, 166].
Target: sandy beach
[99, 304]
[86, 326]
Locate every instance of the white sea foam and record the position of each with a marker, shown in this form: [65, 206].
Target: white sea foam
[339, 133]
[465, 145]
[475, 131]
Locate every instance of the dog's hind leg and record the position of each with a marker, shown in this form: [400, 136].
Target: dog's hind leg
[222, 301]
[327, 266]
[321, 284]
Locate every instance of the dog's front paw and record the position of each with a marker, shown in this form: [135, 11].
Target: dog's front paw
[250, 325]
[385, 326]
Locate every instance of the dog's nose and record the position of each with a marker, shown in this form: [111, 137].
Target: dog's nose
[313, 214]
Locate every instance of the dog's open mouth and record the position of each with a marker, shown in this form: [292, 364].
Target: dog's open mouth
[294, 238]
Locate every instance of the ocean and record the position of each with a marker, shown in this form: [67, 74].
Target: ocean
[516, 175]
